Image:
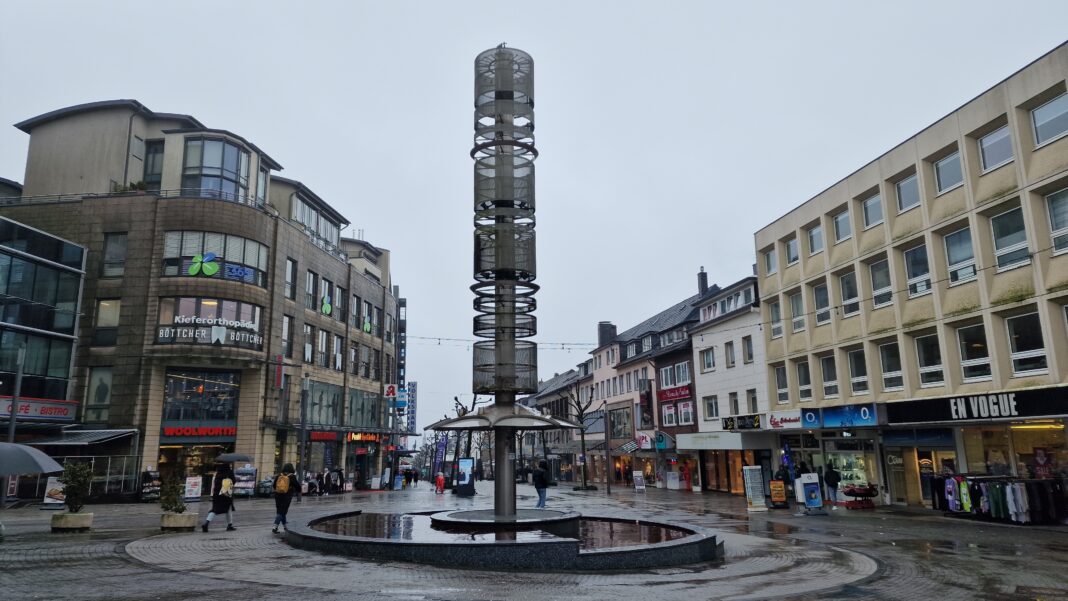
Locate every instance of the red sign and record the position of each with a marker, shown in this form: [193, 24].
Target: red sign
[673, 394]
[41, 409]
[321, 436]
[363, 437]
[359, 451]
[278, 372]
[200, 431]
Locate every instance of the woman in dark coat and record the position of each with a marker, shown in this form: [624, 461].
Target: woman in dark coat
[283, 499]
[222, 497]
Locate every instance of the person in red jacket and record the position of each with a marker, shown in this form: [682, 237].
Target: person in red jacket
[439, 484]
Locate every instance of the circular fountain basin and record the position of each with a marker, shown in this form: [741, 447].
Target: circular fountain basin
[589, 543]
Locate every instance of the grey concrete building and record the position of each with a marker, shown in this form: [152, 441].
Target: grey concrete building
[216, 291]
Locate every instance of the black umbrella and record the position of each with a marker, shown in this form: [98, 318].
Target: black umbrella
[234, 458]
[21, 459]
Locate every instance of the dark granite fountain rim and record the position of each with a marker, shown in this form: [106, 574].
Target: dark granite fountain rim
[485, 517]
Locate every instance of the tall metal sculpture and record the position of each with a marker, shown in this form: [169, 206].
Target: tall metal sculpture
[504, 268]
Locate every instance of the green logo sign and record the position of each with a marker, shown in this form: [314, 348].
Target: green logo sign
[204, 264]
[327, 308]
[367, 325]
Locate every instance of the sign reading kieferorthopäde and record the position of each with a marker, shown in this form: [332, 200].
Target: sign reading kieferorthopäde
[193, 329]
[1044, 402]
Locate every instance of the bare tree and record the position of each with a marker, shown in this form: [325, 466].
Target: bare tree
[580, 410]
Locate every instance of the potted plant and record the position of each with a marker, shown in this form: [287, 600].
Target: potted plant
[76, 479]
[174, 518]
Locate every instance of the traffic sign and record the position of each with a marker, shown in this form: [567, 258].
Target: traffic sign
[391, 391]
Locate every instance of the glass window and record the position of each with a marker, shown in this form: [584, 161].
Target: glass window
[309, 343]
[890, 358]
[322, 359]
[708, 359]
[287, 336]
[858, 372]
[1010, 239]
[732, 398]
[1025, 343]
[669, 415]
[711, 407]
[929, 357]
[1050, 119]
[782, 386]
[667, 377]
[728, 353]
[153, 174]
[873, 211]
[311, 285]
[882, 292]
[850, 294]
[804, 381]
[908, 193]
[842, 228]
[1057, 205]
[948, 173]
[682, 374]
[215, 169]
[960, 256]
[918, 271]
[194, 395]
[995, 148]
[114, 255]
[98, 395]
[747, 349]
[771, 264]
[974, 354]
[830, 376]
[208, 254]
[792, 254]
[776, 320]
[291, 279]
[815, 240]
[261, 185]
[685, 413]
[621, 422]
[339, 355]
[797, 312]
[107, 322]
[822, 301]
[751, 400]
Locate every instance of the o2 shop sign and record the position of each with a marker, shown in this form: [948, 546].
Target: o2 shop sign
[844, 416]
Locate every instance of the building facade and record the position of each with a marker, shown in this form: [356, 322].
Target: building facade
[217, 295]
[916, 312]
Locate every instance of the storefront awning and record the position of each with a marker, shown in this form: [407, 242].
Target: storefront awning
[628, 447]
[81, 438]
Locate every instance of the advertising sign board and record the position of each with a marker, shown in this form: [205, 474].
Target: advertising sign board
[754, 488]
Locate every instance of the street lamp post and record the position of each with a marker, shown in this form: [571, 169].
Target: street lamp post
[607, 451]
[20, 361]
[302, 434]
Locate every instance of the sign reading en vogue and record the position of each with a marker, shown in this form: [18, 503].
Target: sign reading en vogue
[1045, 402]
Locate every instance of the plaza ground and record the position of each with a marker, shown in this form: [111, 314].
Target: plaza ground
[888, 553]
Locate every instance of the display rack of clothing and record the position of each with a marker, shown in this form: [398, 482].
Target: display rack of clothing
[1002, 498]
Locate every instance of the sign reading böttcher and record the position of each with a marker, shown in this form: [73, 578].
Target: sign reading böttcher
[1043, 402]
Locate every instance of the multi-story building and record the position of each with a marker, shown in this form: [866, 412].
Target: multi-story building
[915, 311]
[558, 447]
[217, 294]
[731, 388]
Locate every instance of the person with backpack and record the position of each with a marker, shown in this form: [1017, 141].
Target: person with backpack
[222, 497]
[285, 486]
[541, 482]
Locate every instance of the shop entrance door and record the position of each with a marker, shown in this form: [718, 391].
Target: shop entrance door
[932, 463]
[895, 468]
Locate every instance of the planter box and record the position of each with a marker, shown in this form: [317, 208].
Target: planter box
[71, 522]
[178, 522]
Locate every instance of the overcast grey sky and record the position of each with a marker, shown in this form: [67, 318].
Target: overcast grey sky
[658, 124]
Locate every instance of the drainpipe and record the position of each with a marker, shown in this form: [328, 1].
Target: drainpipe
[129, 134]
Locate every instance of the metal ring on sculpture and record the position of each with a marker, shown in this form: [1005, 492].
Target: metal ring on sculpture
[492, 143]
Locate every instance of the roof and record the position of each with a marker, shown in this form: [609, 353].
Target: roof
[667, 319]
[81, 438]
[556, 383]
[374, 250]
[28, 125]
[10, 183]
[305, 190]
[273, 164]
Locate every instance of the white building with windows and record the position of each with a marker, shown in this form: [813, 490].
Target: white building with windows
[921, 328]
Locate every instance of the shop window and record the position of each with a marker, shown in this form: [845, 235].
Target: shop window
[850, 294]
[1025, 342]
[804, 381]
[1057, 205]
[918, 271]
[890, 359]
[747, 349]
[987, 450]
[960, 256]
[708, 359]
[669, 415]
[114, 255]
[106, 331]
[1041, 450]
[1010, 239]
[776, 320]
[858, 372]
[929, 357]
[728, 353]
[829, 371]
[974, 354]
[711, 407]
[751, 400]
[908, 193]
[882, 291]
[797, 312]
[733, 399]
[782, 386]
[822, 301]
[98, 395]
[201, 395]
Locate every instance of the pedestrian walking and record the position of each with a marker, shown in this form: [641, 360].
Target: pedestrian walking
[407, 478]
[832, 478]
[320, 483]
[541, 482]
[439, 484]
[222, 497]
[415, 478]
[285, 486]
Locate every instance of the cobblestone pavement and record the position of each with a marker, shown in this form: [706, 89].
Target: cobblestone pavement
[882, 554]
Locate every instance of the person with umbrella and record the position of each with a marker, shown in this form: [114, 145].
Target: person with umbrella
[17, 459]
[222, 496]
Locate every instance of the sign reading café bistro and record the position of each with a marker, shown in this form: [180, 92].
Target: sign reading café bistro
[1043, 402]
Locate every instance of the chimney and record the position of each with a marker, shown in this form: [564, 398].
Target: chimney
[702, 281]
[606, 332]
